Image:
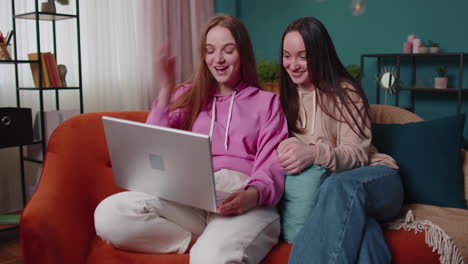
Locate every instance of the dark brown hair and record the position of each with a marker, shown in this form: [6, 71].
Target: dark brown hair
[197, 96]
[327, 74]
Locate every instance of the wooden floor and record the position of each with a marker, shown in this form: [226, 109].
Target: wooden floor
[10, 250]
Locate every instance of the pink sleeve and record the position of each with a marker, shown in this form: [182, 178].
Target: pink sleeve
[164, 116]
[267, 175]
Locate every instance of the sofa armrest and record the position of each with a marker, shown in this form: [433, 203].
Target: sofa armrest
[57, 224]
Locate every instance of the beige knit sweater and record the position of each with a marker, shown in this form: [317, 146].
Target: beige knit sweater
[339, 147]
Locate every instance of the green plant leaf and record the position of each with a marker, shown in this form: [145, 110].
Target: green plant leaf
[354, 70]
[268, 71]
[441, 71]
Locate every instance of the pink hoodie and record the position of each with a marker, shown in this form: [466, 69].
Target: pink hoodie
[248, 126]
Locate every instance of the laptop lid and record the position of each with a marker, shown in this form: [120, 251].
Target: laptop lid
[168, 163]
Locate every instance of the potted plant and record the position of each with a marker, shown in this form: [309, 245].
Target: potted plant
[424, 48]
[49, 6]
[434, 47]
[268, 73]
[441, 81]
[354, 70]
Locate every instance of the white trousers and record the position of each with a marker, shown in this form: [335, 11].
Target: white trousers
[141, 222]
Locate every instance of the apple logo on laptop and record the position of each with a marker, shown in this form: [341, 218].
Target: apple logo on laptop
[156, 162]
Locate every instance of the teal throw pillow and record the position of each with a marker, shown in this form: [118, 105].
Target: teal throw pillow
[299, 200]
[429, 156]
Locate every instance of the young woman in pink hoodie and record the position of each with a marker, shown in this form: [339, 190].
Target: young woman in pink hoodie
[328, 114]
[245, 125]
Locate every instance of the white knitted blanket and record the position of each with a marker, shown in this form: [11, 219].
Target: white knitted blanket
[446, 229]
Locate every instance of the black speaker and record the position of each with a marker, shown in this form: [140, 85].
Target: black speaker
[15, 126]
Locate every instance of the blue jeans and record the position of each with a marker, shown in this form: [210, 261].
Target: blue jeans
[344, 226]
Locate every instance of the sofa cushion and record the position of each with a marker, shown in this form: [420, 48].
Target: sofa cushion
[410, 247]
[300, 191]
[428, 154]
[406, 247]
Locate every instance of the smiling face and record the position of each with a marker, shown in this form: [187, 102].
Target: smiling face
[295, 60]
[222, 57]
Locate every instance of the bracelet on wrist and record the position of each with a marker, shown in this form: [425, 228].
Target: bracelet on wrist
[251, 187]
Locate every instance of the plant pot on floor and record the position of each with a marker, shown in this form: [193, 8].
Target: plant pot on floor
[440, 82]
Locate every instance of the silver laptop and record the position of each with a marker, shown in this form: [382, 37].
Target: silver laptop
[168, 163]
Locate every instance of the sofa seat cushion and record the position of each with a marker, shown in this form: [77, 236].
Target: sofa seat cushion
[409, 248]
[103, 253]
[406, 247]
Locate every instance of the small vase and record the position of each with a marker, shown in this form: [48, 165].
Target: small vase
[440, 82]
[48, 7]
[407, 47]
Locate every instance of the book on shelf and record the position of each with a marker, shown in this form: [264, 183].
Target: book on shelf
[50, 73]
[56, 71]
[49, 69]
[52, 70]
[35, 70]
[10, 219]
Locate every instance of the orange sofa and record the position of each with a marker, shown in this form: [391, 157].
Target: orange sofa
[57, 223]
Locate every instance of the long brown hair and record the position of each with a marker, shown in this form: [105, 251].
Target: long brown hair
[197, 96]
[327, 74]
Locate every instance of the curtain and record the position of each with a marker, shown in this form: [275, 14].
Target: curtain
[122, 39]
[180, 22]
[119, 44]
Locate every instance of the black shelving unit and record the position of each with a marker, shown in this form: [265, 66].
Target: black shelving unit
[36, 17]
[413, 62]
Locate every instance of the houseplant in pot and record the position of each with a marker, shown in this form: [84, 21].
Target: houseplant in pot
[441, 81]
[433, 47]
[268, 73]
[354, 70]
[424, 48]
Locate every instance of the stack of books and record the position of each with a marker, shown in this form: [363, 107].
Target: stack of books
[50, 72]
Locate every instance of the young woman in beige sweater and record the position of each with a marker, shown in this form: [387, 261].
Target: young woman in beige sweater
[328, 118]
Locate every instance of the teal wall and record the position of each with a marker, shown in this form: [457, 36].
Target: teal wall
[381, 29]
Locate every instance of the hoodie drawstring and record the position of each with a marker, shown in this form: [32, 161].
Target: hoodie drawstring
[213, 117]
[314, 110]
[303, 112]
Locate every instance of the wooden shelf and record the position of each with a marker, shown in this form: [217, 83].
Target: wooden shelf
[9, 226]
[44, 16]
[442, 54]
[412, 60]
[49, 88]
[33, 160]
[431, 89]
[4, 227]
[22, 37]
[17, 61]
